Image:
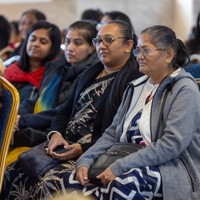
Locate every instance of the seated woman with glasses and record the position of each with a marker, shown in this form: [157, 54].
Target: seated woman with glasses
[162, 117]
[117, 15]
[88, 111]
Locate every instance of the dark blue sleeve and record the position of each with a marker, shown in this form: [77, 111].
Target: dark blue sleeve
[27, 106]
[39, 121]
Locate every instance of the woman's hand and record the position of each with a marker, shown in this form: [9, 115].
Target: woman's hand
[16, 125]
[56, 140]
[16, 128]
[106, 176]
[82, 175]
[73, 151]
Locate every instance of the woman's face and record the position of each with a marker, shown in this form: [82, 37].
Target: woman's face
[25, 23]
[77, 48]
[39, 44]
[154, 61]
[118, 51]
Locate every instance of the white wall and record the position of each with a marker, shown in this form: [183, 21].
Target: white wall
[183, 18]
[143, 13]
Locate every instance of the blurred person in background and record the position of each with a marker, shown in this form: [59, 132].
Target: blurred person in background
[15, 36]
[6, 48]
[115, 15]
[193, 43]
[92, 14]
[27, 20]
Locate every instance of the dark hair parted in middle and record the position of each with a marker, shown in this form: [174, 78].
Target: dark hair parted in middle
[88, 29]
[55, 37]
[164, 37]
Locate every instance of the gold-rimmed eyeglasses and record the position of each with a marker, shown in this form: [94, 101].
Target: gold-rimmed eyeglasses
[106, 40]
[144, 51]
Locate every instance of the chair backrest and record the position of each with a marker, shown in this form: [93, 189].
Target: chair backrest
[198, 82]
[8, 113]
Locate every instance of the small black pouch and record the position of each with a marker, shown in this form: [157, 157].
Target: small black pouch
[117, 151]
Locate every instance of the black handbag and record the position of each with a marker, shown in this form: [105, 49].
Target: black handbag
[117, 151]
[35, 162]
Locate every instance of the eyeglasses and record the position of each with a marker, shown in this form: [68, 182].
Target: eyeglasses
[144, 51]
[106, 40]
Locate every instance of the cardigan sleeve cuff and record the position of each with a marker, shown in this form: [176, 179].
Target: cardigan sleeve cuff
[86, 146]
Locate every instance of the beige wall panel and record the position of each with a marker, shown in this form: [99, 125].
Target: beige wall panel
[143, 13]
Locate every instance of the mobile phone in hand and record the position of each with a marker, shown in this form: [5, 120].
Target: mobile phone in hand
[60, 149]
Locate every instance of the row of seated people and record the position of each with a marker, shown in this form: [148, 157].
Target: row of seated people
[72, 63]
[31, 69]
[94, 99]
[27, 72]
[35, 115]
[94, 112]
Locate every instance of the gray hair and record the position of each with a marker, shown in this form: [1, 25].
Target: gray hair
[164, 37]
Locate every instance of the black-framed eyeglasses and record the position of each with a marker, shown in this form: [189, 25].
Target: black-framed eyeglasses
[144, 51]
[106, 40]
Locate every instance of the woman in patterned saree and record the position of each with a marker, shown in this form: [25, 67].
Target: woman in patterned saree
[160, 115]
[87, 112]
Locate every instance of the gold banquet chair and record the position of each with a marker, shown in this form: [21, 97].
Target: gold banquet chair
[198, 82]
[194, 70]
[8, 113]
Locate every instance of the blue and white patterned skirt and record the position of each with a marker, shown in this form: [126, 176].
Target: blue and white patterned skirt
[137, 184]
